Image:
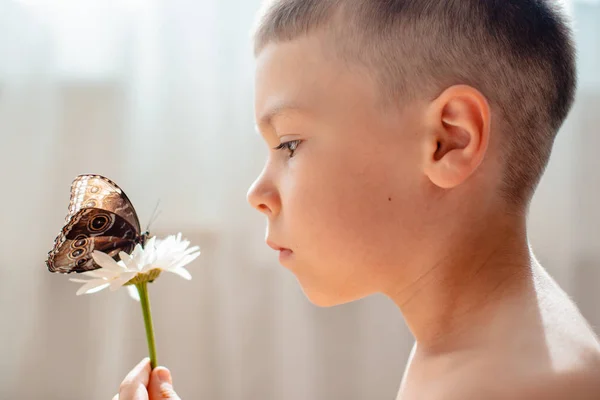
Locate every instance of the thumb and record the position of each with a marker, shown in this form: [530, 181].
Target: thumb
[161, 385]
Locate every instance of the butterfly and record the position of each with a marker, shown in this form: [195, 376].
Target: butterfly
[101, 217]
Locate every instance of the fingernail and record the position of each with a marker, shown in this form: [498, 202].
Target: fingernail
[164, 375]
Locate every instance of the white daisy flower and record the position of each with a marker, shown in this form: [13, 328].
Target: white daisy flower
[144, 264]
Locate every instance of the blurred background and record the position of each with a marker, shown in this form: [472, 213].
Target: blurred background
[157, 96]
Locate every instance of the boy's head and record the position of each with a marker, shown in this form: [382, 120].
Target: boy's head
[413, 124]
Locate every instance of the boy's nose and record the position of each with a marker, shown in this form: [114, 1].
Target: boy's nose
[264, 197]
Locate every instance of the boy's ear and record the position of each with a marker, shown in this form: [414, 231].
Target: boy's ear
[458, 133]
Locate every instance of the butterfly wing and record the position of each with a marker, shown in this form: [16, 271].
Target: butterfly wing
[101, 217]
[95, 191]
[88, 230]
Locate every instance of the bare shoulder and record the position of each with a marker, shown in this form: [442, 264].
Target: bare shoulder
[583, 384]
[580, 383]
[539, 347]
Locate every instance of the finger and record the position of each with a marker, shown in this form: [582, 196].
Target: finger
[161, 385]
[134, 385]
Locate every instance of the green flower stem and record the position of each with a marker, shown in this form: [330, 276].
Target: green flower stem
[143, 291]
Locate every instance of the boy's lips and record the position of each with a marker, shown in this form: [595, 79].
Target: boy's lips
[284, 253]
[275, 246]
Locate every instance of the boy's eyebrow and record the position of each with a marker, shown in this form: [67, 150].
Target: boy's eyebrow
[276, 110]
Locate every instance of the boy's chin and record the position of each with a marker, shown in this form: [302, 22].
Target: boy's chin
[324, 299]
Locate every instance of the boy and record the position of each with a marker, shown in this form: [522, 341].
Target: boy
[408, 137]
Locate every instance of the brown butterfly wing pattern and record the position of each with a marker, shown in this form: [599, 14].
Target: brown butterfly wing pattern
[95, 191]
[101, 217]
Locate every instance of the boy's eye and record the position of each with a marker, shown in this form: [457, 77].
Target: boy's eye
[291, 146]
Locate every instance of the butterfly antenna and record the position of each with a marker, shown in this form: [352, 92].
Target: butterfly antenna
[154, 216]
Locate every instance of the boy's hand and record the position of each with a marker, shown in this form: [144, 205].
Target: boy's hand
[143, 384]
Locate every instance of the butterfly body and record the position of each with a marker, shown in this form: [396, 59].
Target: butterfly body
[101, 217]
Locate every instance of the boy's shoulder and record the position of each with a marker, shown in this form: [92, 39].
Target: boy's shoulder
[580, 384]
[549, 353]
[566, 365]
[562, 361]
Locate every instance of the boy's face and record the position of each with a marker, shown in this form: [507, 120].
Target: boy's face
[350, 203]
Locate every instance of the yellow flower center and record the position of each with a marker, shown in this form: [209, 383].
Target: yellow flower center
[149, 276]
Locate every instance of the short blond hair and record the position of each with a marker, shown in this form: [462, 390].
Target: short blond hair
[518, 53]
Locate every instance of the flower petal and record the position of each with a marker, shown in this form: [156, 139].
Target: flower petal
[137, 250]
[137, 256]
[132, 290]
[100, 273]
[121, 280]
[182, 272]
[97, 289]
[79, 280]
[187, 259]
[191, 250]
[126, 258]
[106, 261]
[92, 286]
[150, 244]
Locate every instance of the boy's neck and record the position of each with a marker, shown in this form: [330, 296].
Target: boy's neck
[472, 281]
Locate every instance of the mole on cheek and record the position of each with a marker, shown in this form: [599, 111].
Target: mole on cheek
[389, 199]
